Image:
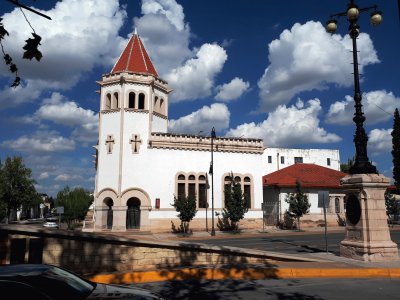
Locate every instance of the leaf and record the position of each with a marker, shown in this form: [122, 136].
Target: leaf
[31, 48]
[17, 82]
[13, 68]
[8, 59]
[3, 31]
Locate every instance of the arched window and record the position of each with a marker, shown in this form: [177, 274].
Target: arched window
[162, 110]
[132, 97]
[141, 101]
[193, 185]
[247, 190]
[245, 183]
[181, 186]
[337, 205]
[155, 108]
[108, 101]
[115, 101]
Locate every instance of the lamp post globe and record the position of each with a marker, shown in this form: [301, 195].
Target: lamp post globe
[376, 18]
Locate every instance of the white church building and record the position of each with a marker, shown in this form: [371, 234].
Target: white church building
[140, 167]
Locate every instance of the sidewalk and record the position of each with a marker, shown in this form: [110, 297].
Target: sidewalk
[320, 265]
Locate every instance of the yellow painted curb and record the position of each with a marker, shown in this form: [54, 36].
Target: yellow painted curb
[248, 274]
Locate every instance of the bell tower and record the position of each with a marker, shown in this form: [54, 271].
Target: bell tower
[133, 104]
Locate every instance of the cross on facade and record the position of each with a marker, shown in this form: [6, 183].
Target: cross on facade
[135, 141]
[110, 142]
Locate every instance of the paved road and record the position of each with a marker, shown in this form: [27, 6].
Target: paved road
[300, 289]
[302, 242]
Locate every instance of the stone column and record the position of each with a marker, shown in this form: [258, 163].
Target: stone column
[119, 222]
[367, 232]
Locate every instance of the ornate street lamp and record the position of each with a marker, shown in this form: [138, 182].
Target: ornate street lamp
[362, 165]
[213, 136]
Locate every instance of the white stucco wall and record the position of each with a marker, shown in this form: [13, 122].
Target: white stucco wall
[158, 169]
[107, 171]
[311, 156]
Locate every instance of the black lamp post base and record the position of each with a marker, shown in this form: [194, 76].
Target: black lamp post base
[363, 168]
[212, 232]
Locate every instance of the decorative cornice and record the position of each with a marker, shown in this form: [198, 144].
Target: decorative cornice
[200, 143]
[110, 111]
[134, 110]
[157, 114]
[138, 78]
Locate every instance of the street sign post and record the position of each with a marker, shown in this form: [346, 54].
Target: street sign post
[323, 201]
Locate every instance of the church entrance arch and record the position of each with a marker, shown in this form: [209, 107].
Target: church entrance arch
[133, 213]
[110, 214]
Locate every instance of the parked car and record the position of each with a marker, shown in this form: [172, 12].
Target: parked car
[42, 281]
[51, 222]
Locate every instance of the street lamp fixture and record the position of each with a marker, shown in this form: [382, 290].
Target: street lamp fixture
[362, 165]
[213, 136]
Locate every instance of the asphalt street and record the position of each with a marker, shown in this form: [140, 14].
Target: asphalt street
[299, 289]
[302, 242]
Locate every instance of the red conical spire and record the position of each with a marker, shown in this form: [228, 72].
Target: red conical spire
[135, 58]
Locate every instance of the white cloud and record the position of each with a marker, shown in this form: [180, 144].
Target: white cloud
[166, 35]
[232, 90]
[217, 115]
[298, 124]
[40, 142]
[195, 79]
[80, 35]
[378, 106]
[307, 58]
[380, 141]
[67, 177]
[43, 175]
[172, 10]
[60, 110]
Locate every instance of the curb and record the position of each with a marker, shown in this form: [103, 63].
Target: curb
[244, 274]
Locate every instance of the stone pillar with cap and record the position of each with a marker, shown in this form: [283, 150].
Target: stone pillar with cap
[367, 231]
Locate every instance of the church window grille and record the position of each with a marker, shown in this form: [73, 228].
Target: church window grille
[108, 101]
[328, 161]
[132, 97]
[141, 101]
[282, 159]
[270, 159]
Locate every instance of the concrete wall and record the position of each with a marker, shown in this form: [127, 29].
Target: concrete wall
[87, 254]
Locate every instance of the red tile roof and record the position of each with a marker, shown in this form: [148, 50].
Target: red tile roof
[134, 59]
[309, 175]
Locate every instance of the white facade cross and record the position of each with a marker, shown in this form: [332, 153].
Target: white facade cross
[135, 141]
[110, 142]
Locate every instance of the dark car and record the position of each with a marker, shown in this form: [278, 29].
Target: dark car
[41, 281]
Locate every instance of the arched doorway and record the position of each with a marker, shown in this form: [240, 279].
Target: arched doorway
[133, 213]
[110, 215]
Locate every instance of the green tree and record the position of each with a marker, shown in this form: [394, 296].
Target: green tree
[235, 203]
[186, 208]
[16, 186]
[345, 167]
[392, 207]
[76, 203]
[298, 203]
[396, 150]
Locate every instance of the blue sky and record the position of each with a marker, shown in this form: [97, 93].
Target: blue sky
[264, 69]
